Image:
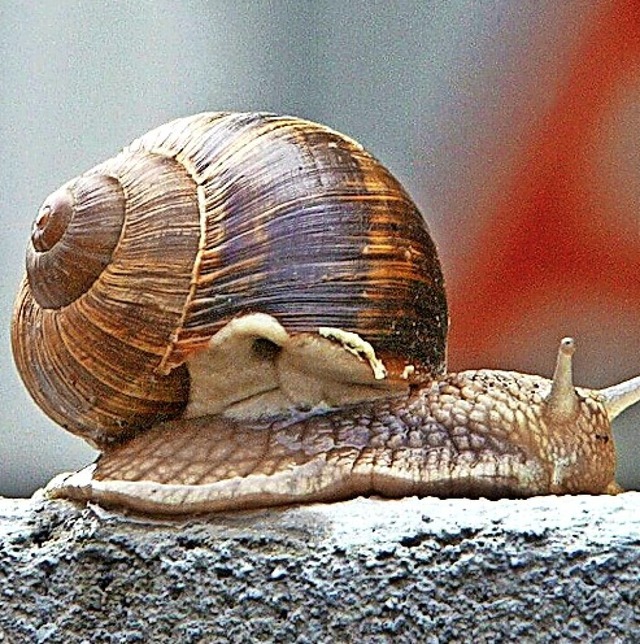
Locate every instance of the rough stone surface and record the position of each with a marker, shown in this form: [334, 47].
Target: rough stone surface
[414, 570]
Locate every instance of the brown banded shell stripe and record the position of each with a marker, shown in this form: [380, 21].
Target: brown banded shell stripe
[316, 202]
[99, 356]
[141, 294]
[405, 290]
[212, 149]
[93, 215]
[278, 199]
[294, 215]
[188, 141]
[72, 376]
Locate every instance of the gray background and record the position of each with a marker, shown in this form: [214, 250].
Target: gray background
[438, 90]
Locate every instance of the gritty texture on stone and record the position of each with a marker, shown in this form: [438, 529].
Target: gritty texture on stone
[545, 569]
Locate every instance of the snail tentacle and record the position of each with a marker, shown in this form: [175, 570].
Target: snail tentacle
[562, 402]
[621, 396]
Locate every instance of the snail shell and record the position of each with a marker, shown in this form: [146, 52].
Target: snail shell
[133, 266]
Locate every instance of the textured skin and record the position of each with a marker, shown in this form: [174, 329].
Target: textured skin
[476, 433]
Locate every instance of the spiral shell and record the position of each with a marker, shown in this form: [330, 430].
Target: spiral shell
[134, 265]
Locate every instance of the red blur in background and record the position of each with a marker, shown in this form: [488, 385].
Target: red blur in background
[558, 253]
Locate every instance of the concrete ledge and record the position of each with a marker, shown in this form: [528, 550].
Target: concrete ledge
[413, 570]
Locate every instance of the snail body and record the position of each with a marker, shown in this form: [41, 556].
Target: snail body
[243, 310]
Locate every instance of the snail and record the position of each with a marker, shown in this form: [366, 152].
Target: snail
[243, 310]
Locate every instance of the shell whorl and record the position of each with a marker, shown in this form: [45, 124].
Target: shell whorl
[73, 238]
[207, 218]
[89, 357]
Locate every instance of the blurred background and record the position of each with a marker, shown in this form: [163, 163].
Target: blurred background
[514, 125]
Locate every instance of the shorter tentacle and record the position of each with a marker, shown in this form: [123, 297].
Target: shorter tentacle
[619, 397]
